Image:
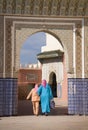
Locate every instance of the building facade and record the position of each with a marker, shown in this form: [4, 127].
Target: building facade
[27, 78]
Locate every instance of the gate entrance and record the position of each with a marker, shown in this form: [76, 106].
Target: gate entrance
[57, 27]
[66, 20]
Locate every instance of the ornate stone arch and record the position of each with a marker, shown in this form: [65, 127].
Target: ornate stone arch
[25, 33]
[64, 29]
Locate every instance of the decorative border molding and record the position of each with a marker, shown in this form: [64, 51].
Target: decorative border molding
[83, 69]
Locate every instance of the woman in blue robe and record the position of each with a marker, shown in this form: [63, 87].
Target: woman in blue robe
[45, 93]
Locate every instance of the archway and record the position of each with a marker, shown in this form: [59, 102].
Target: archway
[53, 83]
[23, 29]
[56, 64]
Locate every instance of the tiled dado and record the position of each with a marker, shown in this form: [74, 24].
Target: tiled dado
[61, 28]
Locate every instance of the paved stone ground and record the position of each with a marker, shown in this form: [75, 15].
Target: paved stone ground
[44, 123]
[58, 119]
[25, 108]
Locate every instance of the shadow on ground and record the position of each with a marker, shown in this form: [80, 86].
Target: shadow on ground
[25, 108]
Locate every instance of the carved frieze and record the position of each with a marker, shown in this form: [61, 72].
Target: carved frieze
[44, 7]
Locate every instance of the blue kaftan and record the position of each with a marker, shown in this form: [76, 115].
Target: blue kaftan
[45, 94]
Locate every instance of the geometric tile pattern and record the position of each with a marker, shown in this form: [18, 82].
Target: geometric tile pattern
[8, 96]
[77, 96]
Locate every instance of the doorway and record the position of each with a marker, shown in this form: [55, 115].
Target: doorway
[53, 83]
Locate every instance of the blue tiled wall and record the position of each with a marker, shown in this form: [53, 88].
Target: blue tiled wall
[78, 96]
[8, 96]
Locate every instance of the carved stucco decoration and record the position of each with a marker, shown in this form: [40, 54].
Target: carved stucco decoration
[44, 7]
[78, 50]
[8, 48]
[86, 48]
[1, 45]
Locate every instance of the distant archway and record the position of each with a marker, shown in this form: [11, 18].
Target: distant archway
[53, 83]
